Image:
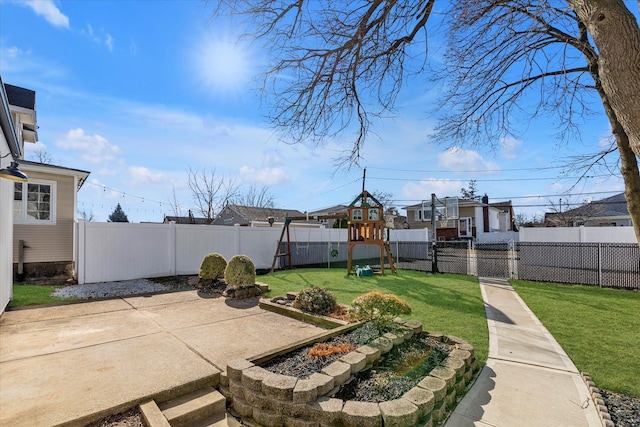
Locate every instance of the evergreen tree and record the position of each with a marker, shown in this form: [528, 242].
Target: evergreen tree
[118, 215]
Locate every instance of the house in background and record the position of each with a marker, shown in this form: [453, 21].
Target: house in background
[609, 212]
[44, 207]
[189, 219]
[252, 216]
[474, 217]
[337, 210]
[10, 151]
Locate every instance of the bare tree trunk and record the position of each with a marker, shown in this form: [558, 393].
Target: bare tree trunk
[628, 167]
[616, 34]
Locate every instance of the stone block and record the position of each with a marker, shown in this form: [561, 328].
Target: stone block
[450, 339]
[290, 409]
[463, 355]
[340, 371]
[457, 365]
[395, 338]
[422, 398]
[242, 407]
[372, 353]
[235, 368]
[224, 390]
[446, 374]
[257, 399]
[437, 386]
[398, 413]
[356, 360]
[223, 379]
[326, 411]
[252, 377]
[426, 422]
[324, 383]
[298, 422]
[267, 418]
[292, 295]
[414, 325]
[460, 386]
[407, 333]
[236, 388]
[438, 412]
[468, 374]
[450, 399]
[361, 414]
[466, 346]
[279, 387]
[384, 344]
[436, 336]
[305, 391]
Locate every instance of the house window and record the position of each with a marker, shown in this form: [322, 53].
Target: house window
[34, 202]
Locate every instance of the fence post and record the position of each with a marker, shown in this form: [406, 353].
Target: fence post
[82, 249]
[600, 264]
[173, 254]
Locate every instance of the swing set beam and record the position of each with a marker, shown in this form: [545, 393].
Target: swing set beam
[285, 229]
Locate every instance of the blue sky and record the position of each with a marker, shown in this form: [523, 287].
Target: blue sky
[136, 92]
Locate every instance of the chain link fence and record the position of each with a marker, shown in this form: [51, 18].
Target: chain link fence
[614, 265]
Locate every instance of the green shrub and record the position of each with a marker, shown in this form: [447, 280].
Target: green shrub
[212, 266]
[240, 271]
[315, 300]
[379, 307]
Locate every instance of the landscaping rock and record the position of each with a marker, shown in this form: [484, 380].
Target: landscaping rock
[422, 398]
[398, 413]
[279, 387]
[361, 414]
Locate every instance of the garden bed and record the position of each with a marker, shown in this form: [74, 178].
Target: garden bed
[274, 399]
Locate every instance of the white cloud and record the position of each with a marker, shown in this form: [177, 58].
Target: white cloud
[105, 39]
[141, 174]
[265, 176]
[49, 11]
[461, 160]
[92, 148]
[509, 147]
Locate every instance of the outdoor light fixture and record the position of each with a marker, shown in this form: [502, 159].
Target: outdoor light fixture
[13, 173]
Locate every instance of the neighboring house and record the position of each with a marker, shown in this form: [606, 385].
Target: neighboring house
[321, 215]
[252, 216]
[474, 217]
[190, 219]
[609, 212]
[44, 207]
[10, 150]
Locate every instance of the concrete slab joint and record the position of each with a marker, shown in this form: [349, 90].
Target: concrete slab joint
[264, 398]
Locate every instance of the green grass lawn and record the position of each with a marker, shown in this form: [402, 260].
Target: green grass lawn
[447, 303]
[598, 328]
[34, 294]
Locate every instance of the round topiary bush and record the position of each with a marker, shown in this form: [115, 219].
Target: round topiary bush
[212, 266]
[315, 300]
[240, 271]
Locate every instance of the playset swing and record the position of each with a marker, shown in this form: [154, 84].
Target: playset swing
[365, 225]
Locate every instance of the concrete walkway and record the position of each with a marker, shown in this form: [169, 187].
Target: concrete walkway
[528, 380]
[66, 363]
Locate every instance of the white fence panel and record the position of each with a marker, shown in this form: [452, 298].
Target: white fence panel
[193, 242]
[578, 234]
[498, 236]
[121, 251]
[412, 235]
[259, 244]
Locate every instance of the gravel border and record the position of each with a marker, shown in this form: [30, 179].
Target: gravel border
[122, 288]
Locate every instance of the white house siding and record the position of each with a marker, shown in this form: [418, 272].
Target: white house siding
[6, 230]
[46, 242]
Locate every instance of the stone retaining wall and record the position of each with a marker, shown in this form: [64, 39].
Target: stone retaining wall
[263, 398]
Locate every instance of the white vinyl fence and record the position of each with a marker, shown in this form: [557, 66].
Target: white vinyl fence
[578, 234]
[123, 251]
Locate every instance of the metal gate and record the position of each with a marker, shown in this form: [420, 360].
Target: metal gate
[494, 259]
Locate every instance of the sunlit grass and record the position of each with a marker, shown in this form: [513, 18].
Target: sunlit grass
[34, 294]
[598, 328]
[448, 303]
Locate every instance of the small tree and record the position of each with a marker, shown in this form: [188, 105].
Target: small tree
[118, 215]
[87, 216]
[471, 192]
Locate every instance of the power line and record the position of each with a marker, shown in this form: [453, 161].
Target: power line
[467, 171]
[493, 180]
